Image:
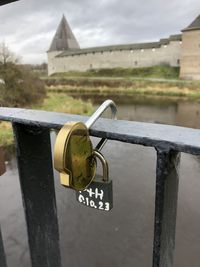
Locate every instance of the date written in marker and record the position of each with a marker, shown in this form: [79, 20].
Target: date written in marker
[94, 197]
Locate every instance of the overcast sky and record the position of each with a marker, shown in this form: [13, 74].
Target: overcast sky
[28, 26]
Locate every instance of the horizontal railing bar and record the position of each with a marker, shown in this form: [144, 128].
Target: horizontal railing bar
[167, 137]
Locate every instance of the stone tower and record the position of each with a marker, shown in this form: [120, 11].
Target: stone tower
[190, 59]
[64, 39]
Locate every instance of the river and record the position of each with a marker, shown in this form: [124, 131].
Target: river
[122, 237]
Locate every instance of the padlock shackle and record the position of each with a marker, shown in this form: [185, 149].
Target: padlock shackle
[104, 163]
[97, 114]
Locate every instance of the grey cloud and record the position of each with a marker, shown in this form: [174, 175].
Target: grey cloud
[29, 25]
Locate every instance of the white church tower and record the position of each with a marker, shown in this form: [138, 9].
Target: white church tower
[64, 39]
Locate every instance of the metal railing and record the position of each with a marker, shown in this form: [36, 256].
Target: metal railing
[32, 138]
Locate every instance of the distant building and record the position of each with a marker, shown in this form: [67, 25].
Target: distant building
[190, 52]
[181, 50]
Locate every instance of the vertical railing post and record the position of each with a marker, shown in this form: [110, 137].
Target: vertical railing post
[2, 252]
[167, 180]
[38, 193]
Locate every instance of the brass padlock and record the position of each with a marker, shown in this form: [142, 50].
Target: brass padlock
[73, 154]
[2, 162]
[99, 193]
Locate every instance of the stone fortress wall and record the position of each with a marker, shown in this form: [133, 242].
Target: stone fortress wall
[168, 53]
[178, 50]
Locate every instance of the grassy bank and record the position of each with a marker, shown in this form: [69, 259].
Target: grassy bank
[66, 104]
[53, 102]
[158, 80]
[138, 88]
[166, 72]
[120, 82]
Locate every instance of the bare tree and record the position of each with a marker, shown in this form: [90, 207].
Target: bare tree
[6, 56]
[19, 86]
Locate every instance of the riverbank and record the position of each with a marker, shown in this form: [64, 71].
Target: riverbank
[190, 90]
[53, 102]
[156, 90]
[152, 81]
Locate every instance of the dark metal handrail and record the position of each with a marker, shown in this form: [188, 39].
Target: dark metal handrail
[181, 139]
[32, 138]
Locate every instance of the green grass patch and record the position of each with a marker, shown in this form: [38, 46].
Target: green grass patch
[147, 72]
[165, 72]
[6, 134]
[63, 103]
[53, 102]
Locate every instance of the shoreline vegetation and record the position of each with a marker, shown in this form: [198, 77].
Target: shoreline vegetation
[152, 81]
[53, 102]
[156, 89]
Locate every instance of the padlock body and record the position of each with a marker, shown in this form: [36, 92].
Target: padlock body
[73, 156]
[98, 195]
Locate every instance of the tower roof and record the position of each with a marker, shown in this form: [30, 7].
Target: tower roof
[64, 38]
[4, 2]
[195, 25]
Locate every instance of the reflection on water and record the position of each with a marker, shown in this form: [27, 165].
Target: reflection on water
[174, 111]
[122, 237]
